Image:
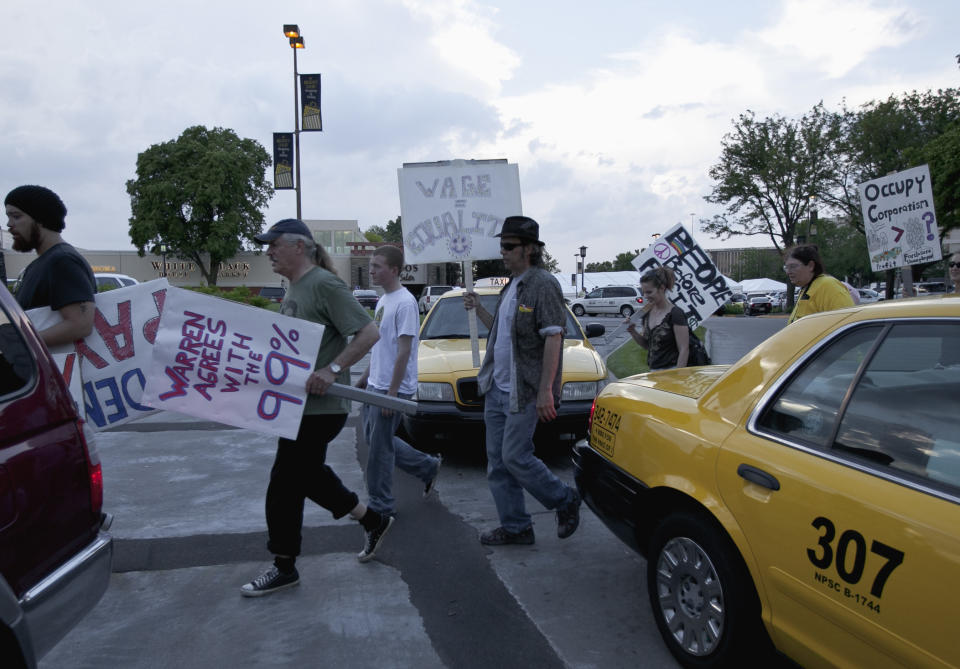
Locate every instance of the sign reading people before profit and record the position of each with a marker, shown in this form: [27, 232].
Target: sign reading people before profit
[700, 288]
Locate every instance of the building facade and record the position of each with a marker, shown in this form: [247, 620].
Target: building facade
[342, 239]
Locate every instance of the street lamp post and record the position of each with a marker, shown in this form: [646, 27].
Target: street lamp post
[292, 31]
[583, 262]
[163, 260]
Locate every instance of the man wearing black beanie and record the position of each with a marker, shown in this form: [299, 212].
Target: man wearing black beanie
[60, 278]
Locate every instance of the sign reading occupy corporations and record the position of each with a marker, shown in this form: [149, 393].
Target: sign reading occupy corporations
[700, 289]
[451, 210]
[899, 220]
[231, 363]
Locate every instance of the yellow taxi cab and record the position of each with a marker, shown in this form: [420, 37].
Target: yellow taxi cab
[808, 495]
[449, 406]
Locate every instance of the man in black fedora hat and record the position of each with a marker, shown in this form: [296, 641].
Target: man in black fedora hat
[59, 278]
[520, 381]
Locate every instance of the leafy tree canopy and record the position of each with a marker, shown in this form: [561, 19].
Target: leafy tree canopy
[769, 169]
[201, 195]
[942, 154]
[392, 232]
[888, 136]
[622, 263]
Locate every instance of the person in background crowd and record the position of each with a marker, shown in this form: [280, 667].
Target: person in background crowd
[664, 331]
[520, 382]
[953, 266]
[818, 291]
[392, 372]
[300, 471]
[854, 293]
[60, 278]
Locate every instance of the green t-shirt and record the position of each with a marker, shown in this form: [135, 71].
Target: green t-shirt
[321, 297]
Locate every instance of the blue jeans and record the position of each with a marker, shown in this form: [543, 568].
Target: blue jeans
[511, 465]
[388, 451]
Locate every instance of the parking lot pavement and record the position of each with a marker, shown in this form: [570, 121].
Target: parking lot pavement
[187, 499]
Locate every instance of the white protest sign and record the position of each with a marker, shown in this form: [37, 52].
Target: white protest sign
[106, 372]
[231, 363]
[899, 220]
[700, 289]
[452, 212]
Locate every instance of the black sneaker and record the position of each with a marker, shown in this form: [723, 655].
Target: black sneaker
[501, 537]
[432, 483]
[373, 538]
[568, 515]
[270, 581]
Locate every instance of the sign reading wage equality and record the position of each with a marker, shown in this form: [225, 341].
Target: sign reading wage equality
[452, 210]
[899, 220]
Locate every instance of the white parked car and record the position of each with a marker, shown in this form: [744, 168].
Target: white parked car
[109, 281]
[429, 296]
[623, 300]
[867, 295]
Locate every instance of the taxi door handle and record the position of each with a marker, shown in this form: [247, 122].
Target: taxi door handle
[759, 477]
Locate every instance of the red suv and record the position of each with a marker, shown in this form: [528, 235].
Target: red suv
[55, 556]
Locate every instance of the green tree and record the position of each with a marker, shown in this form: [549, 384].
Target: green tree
[883, 137]
[605, 266]
[623, 261]
[942, 154]
[201, 195]
[768, 171]
[392, 232]
[889, 136]
[549, 263]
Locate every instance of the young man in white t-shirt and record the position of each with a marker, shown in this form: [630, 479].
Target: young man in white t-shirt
[393, 372]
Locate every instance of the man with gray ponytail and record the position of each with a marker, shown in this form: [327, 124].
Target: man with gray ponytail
[300, 471]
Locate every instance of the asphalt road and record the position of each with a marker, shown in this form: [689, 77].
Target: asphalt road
[187, 497]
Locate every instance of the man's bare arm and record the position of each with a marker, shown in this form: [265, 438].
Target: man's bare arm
[77, 324]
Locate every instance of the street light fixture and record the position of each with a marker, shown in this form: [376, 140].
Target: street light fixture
[583, 258]
[163, 256]
[292, 31]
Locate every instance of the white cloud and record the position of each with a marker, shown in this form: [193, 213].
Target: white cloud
[838, 35]
[462, 39]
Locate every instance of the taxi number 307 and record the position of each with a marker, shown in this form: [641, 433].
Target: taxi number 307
[850, 551]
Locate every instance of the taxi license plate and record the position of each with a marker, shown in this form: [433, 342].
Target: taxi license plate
[602, 439]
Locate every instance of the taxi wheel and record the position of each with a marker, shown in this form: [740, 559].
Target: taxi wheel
[701, 594]
[626, 311]
[578, 310]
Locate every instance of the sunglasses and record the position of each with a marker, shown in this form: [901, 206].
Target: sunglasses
[952, 264]
[509, 246]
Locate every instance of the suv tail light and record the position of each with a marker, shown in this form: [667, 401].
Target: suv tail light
[93, 466]
[639, 300]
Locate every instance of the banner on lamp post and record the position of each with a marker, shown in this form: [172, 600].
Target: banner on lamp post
[283, 160]
[310, 102]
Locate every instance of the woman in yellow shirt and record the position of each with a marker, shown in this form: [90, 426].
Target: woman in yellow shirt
[818, 291]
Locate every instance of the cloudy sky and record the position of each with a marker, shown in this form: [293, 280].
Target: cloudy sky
[613, 110]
